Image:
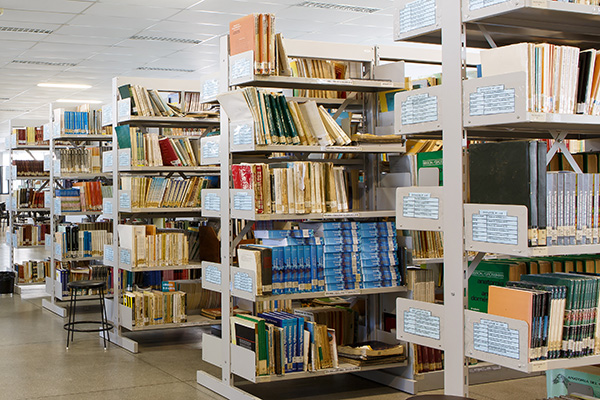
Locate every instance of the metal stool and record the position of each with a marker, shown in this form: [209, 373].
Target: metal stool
[438, 397]
[70, 326]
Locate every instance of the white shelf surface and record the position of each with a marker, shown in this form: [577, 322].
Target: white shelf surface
[236, 214]
[163, 210]
[196, 169]
[192, 321]
[64, 259]
[316, 295]
[159, 268]
[93, 175]
[83, 137]
[170, 121]
[350, 85]
[361, 148]
[32, 209]
[32, 178]
[31, 147]
[39, 246]
[65, 213]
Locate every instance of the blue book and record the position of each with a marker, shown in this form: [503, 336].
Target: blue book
[320, 266]
[314, 275]
[272, 234]
[287, 269]
[297, 348]
[86, 123]
[283, 323]
[308, 276]
[296, 270]
[302, 233]
[277, 266]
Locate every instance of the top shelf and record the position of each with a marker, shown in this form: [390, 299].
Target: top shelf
[73, 137]
[169, 121]
[508, 22]
[344, 85]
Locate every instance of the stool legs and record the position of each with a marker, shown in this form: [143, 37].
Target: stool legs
[69, 311]
[72, 313]
[104, 317]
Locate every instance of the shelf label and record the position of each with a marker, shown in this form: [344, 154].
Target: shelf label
[210, 149]
[496, 337]
[334, 293]
[107, 161]
[419, 108]
[124, 201]
[479, 4]
[421, 205]
[212, 274]
[57, 205]
[57, 250]
[109, 254]
[13, 141]
[46, 132]
[47, 162]
[14, 172]
[107, 206]
[421, 323]
[212, 202]
[243, 282]
[417, 14]
[125, 158]
[124, 109]
[539, 3]
[47, 200]
[343, 215]
[341, 370]
[491, 100]
[241, 67]
[125, 256]
[107, 117]
[56, 128]
[8, 237]
[210, 89]
[47, 242]
[242, 201]
[495, 227]
[15, 242]
[57, 168]
[242, 134]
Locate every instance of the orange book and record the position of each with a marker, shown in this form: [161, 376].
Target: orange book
[243, 35]
[512, 303]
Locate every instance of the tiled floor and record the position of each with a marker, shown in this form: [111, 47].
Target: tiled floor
[34, 364]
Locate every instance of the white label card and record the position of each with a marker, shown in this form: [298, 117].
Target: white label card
[124, 109]
[106, 114]
[242, 201]
[495, 337]
[107, 160]
[107, 207]
[57, 168]
[125, 158]
[242, 134]
[210, 149]
[109, 253]
[125, 256]
[479, 4]
[419, 108]
[421, 323]
[47, 162]
[417, 14]
[212, 202]
[210, 89]
[421, 205]
[47, 242]
[243, 281]
[491, 100]
[46, 131]
[241, 68]
[57, 205]
[495, 227]
[212, 274]
[47, 200]
[124, 201]
[57, 250]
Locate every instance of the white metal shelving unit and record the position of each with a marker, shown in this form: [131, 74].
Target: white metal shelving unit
[455, 110]
[233, 360]
[53, 285]
[120, 206]
[12, 206]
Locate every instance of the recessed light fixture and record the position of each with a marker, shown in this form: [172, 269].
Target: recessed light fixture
[25, 30]
[165, 69]
[64, 85]
[165, 39]
[50, 63]
[338, 7]
[79, 101]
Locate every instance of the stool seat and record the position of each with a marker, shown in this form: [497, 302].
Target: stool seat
[438, 397]
[86, 284]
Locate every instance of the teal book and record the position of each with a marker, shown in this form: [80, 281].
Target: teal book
[123, 136]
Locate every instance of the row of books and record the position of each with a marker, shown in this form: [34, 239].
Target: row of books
[561, 79]
[151, 247]
[149, 149]
[30, 136]
[86, 160]
[146, 102]
[30, 168]
[322, 69]
[560, 309]
[323, 256]
[255, 32]
[32, 271]
[83, 240]
[30, 198]
[310, 187]
[84, 121]
[153, 307]
[192, 104]
[165, 192]
[31, 234]
[499, 272]
[277, 121]
[82, 196]
[72, 271]
[427, 244]
[183, 131]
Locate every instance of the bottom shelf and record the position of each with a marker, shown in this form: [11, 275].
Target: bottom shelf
[192, 321]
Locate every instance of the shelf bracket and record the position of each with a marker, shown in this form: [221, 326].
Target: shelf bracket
[344, 105]
[240, 235]
[487, 36]
[473, 265]
[559, 143]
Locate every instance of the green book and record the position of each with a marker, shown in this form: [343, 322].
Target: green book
[275, 137]
[428, 162]
[289, 121]
[487, 273]
[277, 120]
[123, 136]
[262, 343]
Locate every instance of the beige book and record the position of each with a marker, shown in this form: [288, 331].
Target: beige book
[314, 123]
[341, 184]
[334, 130]
[291, 189]
[138, 104]
[298, 171]
[331, 200]
[284, 193]
[278, 194]
[306, 136]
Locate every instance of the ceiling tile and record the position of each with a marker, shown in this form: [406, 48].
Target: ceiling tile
[240, 7]
[68, 6]
[34, 16]
[205, 17]
[131, 11]
[109, 23]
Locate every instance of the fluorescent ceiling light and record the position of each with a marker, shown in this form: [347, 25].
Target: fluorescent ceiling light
[65, 85]
[78, 101]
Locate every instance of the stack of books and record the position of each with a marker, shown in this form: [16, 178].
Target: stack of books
[30, 198]
[84, 121]
[153, 307]
[150, 149]
[183, 131]
[83, 240]
[152, 247]
[371, 353]
[165, 192]
[33, 271]
[255, 32]
[32, 234]
[427, 244]
[310, 187]
[277, 121]
[86, 160]
[83, 196]
[30, 169]
[30, 136]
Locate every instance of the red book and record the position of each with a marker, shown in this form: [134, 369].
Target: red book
[259, 200]
[242, 176]
[169, 156]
